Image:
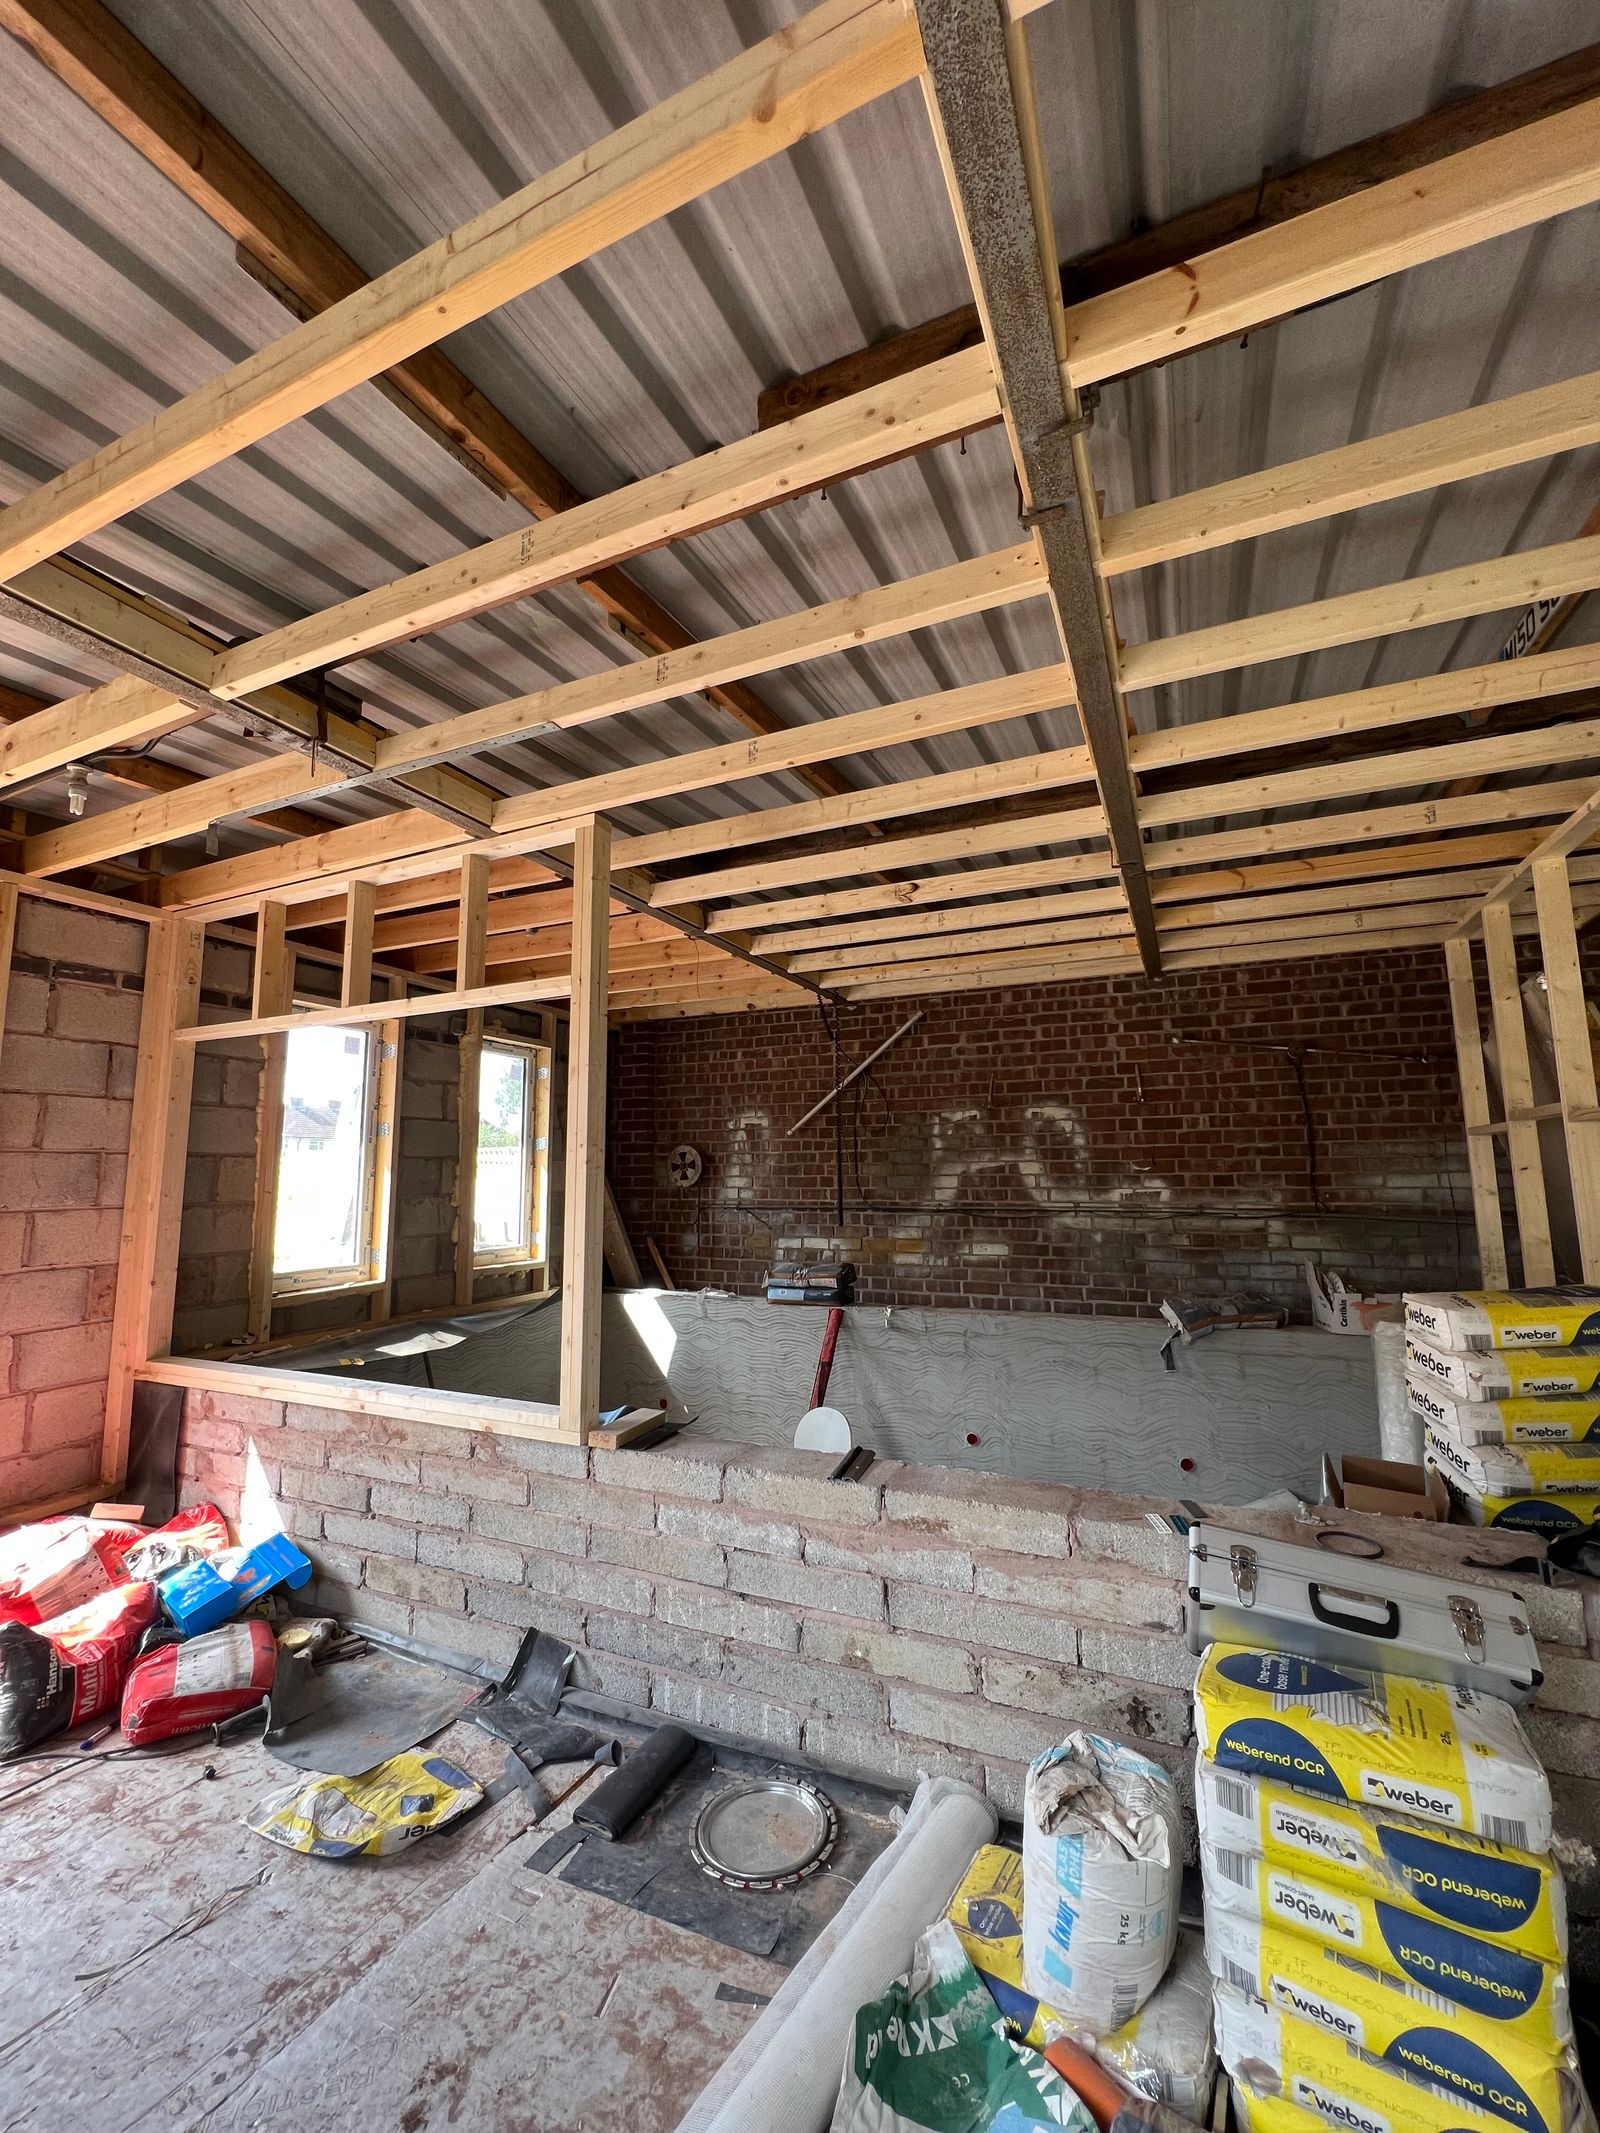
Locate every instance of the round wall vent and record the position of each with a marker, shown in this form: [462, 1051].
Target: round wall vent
[684, 1165]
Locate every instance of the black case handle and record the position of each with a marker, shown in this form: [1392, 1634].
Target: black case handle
[1389, 1627]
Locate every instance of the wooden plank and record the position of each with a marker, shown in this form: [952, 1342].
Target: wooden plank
[1478, 440]
[272, 976]
[8, 940]
[837, 958]
[584, 1199]
[1574, 1052]
[391, 1040]
[1273, 199]
[86, 47]
[947, 711]
[472, 937]
[620, 1257]
[167, 817]
[1485, 191]
[1381, 611]
[979, 98]
[152, 1207]
[350, 1394]
[1573, 742]
[1464, 692]
[1516, 1093]
[918, 893]
[466, 1196]
[1579, 827]
[355, 974]
[517, 943]
[1370, 825]
[960, 918]
[517, 993]
[862, 618]
[839, 56]
[638, 1422]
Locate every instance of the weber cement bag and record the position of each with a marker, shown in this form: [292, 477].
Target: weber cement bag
[1261, 1835]
[1102, 1856]
[931, 2055]
[1288, 2074]
[1429, 1748]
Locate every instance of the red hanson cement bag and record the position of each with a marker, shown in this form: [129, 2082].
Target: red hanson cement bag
[69, 1669]
[59, 1564]
[179, 1688]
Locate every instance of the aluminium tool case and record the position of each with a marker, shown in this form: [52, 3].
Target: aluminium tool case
[1353, 1610]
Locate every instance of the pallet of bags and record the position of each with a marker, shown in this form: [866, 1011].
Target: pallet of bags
[1515, 1469]
[1385, 1928]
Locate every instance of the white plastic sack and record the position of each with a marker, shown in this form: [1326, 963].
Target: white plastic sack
[1102, 1855]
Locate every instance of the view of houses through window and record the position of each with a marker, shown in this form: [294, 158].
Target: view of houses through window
[325, 1153]
[508, 1197]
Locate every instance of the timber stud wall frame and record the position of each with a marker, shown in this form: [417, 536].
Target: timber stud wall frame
[463, 897]
[1545, 876]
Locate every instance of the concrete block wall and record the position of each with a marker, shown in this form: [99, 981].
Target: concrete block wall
[67, 1058]
[1084, 1148]
[924, 1619]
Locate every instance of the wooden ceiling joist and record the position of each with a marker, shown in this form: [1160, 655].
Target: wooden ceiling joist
[840, 55]
[1275, 198]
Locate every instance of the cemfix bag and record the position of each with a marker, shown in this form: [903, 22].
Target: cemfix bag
[1327, 1941]
[1504, 1373]
[1256, 1828]
[1102, 1856]
[1164, 2052]
[383, 1810]
[1289, 2072]
[931, 2055]
[59, 1673]
[1501, 1422]
[1434, 1749]
[1507, 1318]
[181, 1688]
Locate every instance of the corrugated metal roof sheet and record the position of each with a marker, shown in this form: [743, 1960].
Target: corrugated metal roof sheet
[393, 120]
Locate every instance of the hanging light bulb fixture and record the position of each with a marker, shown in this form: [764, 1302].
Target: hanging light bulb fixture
[77, 789]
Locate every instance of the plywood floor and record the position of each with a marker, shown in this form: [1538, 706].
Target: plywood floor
[165, 1969]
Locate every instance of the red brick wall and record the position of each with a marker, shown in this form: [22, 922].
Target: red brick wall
[1091, 1147]
[66, 1086]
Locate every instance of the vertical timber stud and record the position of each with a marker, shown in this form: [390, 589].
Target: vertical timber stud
[584, 1206]
[152, 1208]
[1475, 1114]
[1569, 1033]
[975, 120]
[1516, 1095]
[355, 974]
[8, 939]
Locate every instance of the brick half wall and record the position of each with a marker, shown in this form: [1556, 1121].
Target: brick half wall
[924, 1619]
[1082, 1148]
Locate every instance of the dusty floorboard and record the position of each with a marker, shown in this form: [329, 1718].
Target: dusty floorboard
[167, 1969]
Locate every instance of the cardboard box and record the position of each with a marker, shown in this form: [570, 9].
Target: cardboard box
[1337, 1309]
[1393, 1487]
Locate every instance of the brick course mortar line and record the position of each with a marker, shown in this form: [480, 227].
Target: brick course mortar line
[926, 1619]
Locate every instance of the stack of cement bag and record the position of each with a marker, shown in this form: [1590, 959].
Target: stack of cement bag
[1507, 1386]
[1385, 1926]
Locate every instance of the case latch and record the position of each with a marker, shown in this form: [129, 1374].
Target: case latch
[1243, 1561]
[1468, 1619]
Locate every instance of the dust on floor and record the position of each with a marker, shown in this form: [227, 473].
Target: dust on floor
[166, 1969]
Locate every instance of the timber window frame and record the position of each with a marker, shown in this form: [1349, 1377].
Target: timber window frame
[368, 1269]
[533, 1250]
